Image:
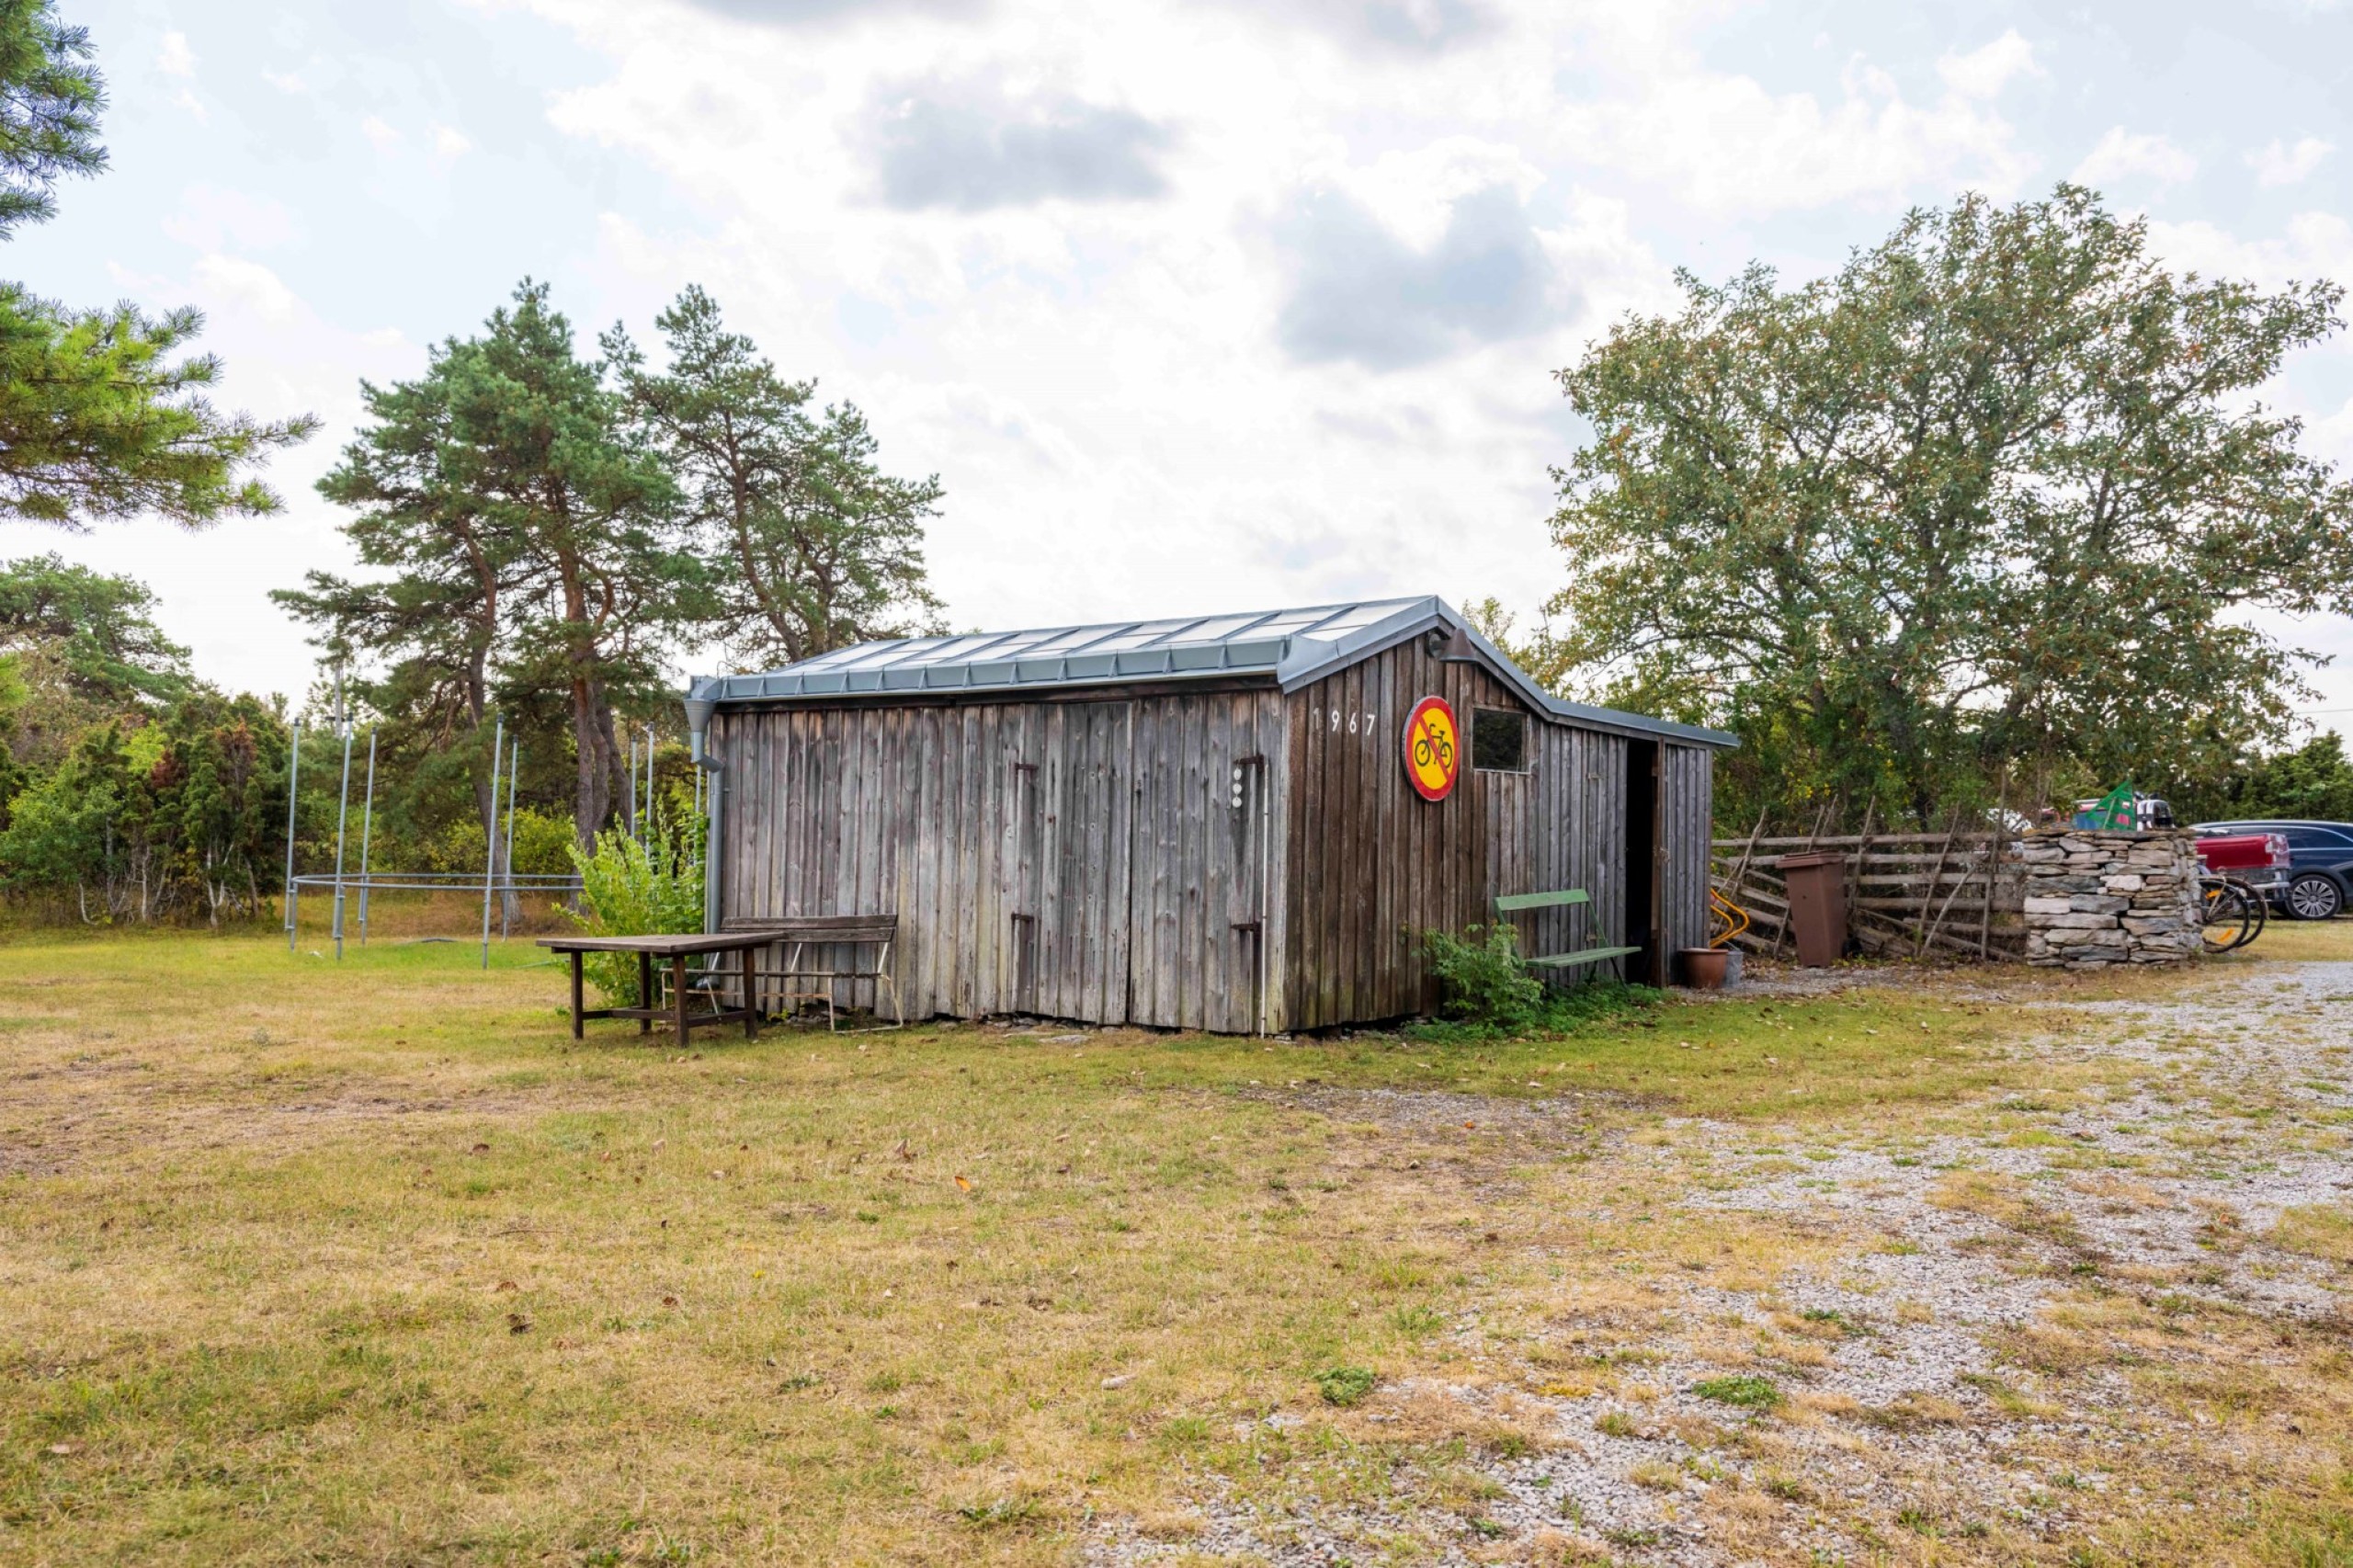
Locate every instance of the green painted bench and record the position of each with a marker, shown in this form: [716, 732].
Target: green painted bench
[1512, 903]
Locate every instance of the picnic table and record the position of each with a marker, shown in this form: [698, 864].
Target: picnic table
[677, 950]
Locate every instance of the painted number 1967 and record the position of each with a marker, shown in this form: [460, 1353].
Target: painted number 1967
[1351, 720]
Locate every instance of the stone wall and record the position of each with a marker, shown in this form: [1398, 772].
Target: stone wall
[2094, 898]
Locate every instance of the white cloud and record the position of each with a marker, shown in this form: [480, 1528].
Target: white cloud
[2280, 163]
[1142, 391]
[2123, 154]
[211, 217]
[252, 286]
[175, 58]
[1983, 73]
[1730, 146]
[2312, 245]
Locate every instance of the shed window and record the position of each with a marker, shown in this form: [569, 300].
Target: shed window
[1499, 739]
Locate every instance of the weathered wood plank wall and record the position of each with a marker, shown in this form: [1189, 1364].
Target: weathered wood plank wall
[1085, 859]
[1072, 859]
[1686, 817]
[1371, 865]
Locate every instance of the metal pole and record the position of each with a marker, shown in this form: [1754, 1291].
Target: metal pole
[293, 780]
[367, 822]
[514, 767]
[490, 854]
[631, 820]
[342, 816]
[649, 779]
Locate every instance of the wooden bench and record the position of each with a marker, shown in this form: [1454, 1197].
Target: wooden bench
[793, 936]
[1513, 904]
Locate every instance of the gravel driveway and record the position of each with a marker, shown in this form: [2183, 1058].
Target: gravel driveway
[1970, 1363]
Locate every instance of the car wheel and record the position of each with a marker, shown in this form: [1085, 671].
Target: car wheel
[2314, 897]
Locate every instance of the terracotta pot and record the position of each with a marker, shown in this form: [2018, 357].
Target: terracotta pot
[1703, 968]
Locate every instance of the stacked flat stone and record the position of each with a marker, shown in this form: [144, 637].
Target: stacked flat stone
[2093, 899]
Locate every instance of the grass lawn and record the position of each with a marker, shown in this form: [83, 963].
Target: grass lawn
[369, 1262]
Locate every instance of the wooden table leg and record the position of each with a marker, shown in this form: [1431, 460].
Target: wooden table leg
[751, 1013]
[576, 997]
[645, 990]
[678, 997]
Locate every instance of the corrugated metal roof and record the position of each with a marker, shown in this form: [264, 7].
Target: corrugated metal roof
[1291, 646]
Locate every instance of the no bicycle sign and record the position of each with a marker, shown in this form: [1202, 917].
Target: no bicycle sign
[1433, 749]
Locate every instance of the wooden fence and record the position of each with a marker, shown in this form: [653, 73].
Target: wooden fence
[1959, 896]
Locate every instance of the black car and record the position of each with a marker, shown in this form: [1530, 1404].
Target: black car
[2320, 864]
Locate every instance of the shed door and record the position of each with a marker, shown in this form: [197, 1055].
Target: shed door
[1078, 965]
[1199, 865]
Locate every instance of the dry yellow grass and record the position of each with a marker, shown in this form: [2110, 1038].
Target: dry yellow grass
[369, 1262]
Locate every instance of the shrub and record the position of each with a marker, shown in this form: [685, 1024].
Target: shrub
[1482, 978]
[632, 889]
[1485, 988]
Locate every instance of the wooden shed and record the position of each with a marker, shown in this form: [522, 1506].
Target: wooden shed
[1210, 821]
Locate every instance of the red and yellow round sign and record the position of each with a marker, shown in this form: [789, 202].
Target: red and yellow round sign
[1433, 749]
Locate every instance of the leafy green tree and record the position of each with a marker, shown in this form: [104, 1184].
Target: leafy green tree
[98, 420]
[812, 546]
[100, 423]
[14, 694]
[426, 623]
[601, 585]
[102, 626]
[150, 820]
[529, 545]
[1993, 499]
[221, 786]
[49, 99]
[2313, 782]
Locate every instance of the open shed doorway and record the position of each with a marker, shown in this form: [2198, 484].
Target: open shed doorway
[1640, 916]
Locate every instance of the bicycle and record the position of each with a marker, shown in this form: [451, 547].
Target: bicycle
[2230, 913]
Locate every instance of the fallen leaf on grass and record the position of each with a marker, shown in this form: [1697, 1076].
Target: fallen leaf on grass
[62, 1450]
[517, 1323]
[964, 1185]
[482, 1149]
[504, 1285]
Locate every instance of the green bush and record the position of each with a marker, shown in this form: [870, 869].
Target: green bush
[1482, 978]
[632, 889]
[1486, 989]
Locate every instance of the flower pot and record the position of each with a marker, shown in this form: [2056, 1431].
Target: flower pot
[1703, 968]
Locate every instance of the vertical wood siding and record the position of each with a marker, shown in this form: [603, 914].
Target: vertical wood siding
[1371, 865]
[1072, 859]
[1084, 859]
[1687, 822]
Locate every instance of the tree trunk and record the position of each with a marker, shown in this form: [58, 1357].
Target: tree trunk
[592, 743]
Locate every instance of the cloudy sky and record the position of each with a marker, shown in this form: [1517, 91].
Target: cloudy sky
[1192, 304]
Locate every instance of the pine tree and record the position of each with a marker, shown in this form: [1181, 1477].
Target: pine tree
[98, 421]
[812, 547]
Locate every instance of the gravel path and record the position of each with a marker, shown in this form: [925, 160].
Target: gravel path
[1956, 1241]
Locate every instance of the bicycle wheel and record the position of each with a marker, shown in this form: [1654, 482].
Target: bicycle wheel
[2258, 912]
[2225, 917]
